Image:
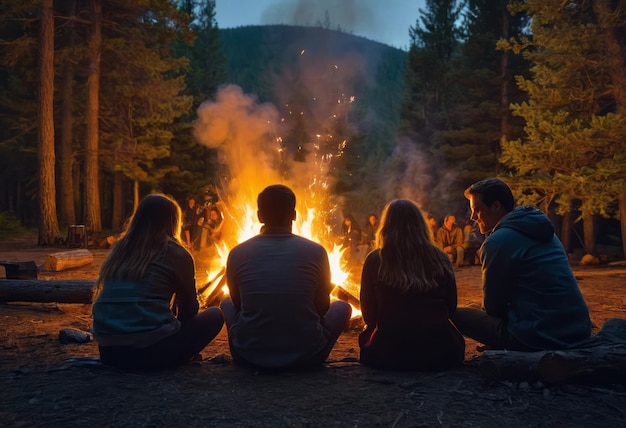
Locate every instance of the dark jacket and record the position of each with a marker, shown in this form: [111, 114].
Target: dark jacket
[408, 330]
[528, 281]
[138, 313]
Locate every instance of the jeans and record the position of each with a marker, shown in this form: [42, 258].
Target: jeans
[487, 329]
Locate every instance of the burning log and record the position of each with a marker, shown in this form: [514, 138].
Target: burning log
[213, 289]
[59, 291]
[67, 260]
[601, 360]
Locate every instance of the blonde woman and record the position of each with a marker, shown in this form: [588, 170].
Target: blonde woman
[145, 309]
[408, 294]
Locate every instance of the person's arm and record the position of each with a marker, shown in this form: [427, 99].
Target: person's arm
[322, 297]
[451, 295]
[186, 300]
[369, 278]
[497, 276]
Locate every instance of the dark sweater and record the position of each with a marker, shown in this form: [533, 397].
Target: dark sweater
[408, 330]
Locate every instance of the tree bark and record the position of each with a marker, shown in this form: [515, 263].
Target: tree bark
[67, 260]
[601, 360]
[118, 200]
[60, 291]
[622, 218]
[566, 230]
[92, 187]
[66, 162]
[48, 222]
[589, 233]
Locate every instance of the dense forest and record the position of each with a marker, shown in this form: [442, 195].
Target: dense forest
[104, 101]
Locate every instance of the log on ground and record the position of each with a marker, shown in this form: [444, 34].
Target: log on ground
[59, 291]
[68, 259]
[600, 360]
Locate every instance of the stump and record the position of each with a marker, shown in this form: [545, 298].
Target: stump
[600, 360]
[67, 260]
[20, 270]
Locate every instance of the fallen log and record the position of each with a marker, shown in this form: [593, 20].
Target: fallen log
[59, 291]
[68, 259]
[600, 360]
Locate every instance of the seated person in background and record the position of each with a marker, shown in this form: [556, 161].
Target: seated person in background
[351, 234]
[432, 224]
[146, 269]
[531, 300]
[472, 240]
[279, 314]
[369, 231]
[190, 220]
[450, 240]
[408, 294]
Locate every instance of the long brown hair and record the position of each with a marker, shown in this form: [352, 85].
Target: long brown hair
[409, 259]
[157, 221]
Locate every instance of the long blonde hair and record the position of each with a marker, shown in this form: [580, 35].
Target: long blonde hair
[157, 221]
[409, 260]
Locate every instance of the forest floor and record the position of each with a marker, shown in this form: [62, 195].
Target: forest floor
[44, 382]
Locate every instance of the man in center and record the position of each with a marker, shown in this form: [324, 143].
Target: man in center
[279, 314]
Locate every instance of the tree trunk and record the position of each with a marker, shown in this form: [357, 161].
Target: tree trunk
[48, 223]
[589, 233]
[68, 212]
[135, 195]
[118, 200]
[618, 84]
[566, 229]
[504, 83]
[92, 187]
[622, 218]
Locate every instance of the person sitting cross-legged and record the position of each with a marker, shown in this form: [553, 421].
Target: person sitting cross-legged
[450, 240]
[408, 294]
[279, 315]
[145, 309]
[531, 300]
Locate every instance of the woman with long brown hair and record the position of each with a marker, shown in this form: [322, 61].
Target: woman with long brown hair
[145, 308]
[408, 294]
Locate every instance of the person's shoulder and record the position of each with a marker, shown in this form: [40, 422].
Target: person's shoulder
[178, 252]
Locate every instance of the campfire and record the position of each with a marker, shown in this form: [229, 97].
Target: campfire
[238, 229]
[253, 155]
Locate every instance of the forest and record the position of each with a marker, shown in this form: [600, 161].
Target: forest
[102, 102]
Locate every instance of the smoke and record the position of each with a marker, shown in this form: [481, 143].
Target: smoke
[348, 15]
[251, 153]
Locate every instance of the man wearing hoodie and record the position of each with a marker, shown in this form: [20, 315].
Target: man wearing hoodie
[531, 300]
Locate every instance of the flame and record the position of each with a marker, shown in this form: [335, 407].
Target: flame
[252, 155]
[242, 224]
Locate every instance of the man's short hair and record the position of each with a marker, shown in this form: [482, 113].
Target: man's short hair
[491, 190]
[276, 204]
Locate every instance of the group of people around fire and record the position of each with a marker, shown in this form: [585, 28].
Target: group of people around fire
[279, 313]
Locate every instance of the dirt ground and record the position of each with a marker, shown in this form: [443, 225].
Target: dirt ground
[46, 383]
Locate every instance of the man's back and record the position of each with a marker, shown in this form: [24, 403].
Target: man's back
[528, 281]
[281, 283]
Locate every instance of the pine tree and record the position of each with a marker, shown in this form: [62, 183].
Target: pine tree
[575, 135]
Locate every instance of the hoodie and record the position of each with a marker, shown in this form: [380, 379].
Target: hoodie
[528, 281]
